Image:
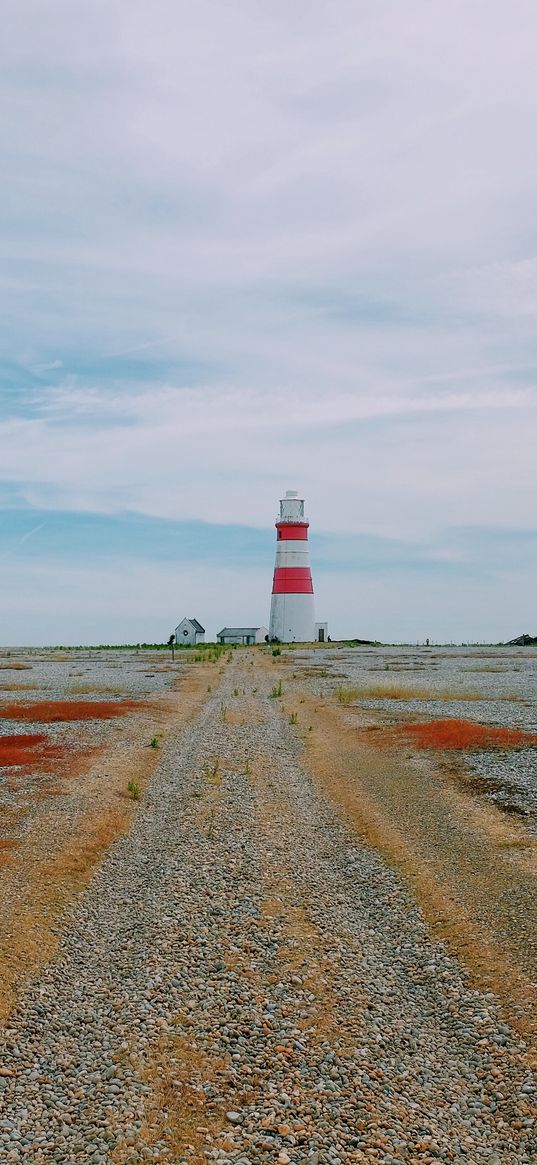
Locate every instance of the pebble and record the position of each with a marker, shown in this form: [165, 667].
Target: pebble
[284, 969]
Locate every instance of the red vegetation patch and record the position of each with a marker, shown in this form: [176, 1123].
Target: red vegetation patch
[27, 750]
[457, 734]
[52, 711]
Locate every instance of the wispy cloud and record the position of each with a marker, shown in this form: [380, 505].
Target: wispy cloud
[48, 366]
[30, 533]
[305, 256]
[19, 542]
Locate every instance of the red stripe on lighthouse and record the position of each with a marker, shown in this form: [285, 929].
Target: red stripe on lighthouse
[291, 533]
[292, 580]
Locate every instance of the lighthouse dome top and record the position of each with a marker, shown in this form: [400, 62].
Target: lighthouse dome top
[291, 507]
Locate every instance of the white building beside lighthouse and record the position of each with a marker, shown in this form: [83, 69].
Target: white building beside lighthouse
[292, 615]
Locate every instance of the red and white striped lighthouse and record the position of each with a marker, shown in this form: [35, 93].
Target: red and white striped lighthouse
[292, 616]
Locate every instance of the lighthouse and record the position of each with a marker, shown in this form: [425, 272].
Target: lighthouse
[292, 617]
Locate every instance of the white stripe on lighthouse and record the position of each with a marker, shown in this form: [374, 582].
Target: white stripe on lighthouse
[292, 616]
[286, 557]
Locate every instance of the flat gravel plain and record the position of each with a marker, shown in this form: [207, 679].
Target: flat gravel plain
[244, 981]
[505, 679]
[80, 675]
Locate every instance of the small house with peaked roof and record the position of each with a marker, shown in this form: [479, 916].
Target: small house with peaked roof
[189, 633]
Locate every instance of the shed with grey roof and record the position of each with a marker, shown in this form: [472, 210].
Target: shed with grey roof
[246, 636]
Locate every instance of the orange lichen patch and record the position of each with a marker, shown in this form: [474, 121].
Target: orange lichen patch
[52, 711]
[29, 749]
[456, 734]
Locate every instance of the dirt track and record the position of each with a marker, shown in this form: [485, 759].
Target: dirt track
[244, 979]
[471, 867]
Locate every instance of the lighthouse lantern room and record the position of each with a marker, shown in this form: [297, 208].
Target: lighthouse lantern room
[292, 616]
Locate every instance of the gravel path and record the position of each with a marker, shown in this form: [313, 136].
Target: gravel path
[244, 981]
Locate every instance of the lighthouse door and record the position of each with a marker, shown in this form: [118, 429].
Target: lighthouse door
[321, 634]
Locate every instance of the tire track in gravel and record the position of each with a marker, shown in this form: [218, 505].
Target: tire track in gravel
[244, 981]
[472, 871]
[66, 826]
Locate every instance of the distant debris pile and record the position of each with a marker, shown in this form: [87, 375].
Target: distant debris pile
[523, 641]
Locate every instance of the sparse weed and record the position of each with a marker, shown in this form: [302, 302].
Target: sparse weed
[108, 689]
[347, 695]
[153, 743]
[276, 692]
[402, 692]
[19, 687]
[293, 719]
[210, 768]
[223, 712]
[209, 653]
[235, 691]
[133, 790]
[212, 772]
[276, 651]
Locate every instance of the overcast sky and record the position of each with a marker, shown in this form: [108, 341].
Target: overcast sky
[248, 247]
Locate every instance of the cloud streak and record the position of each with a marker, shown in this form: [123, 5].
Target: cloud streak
[247, 247]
